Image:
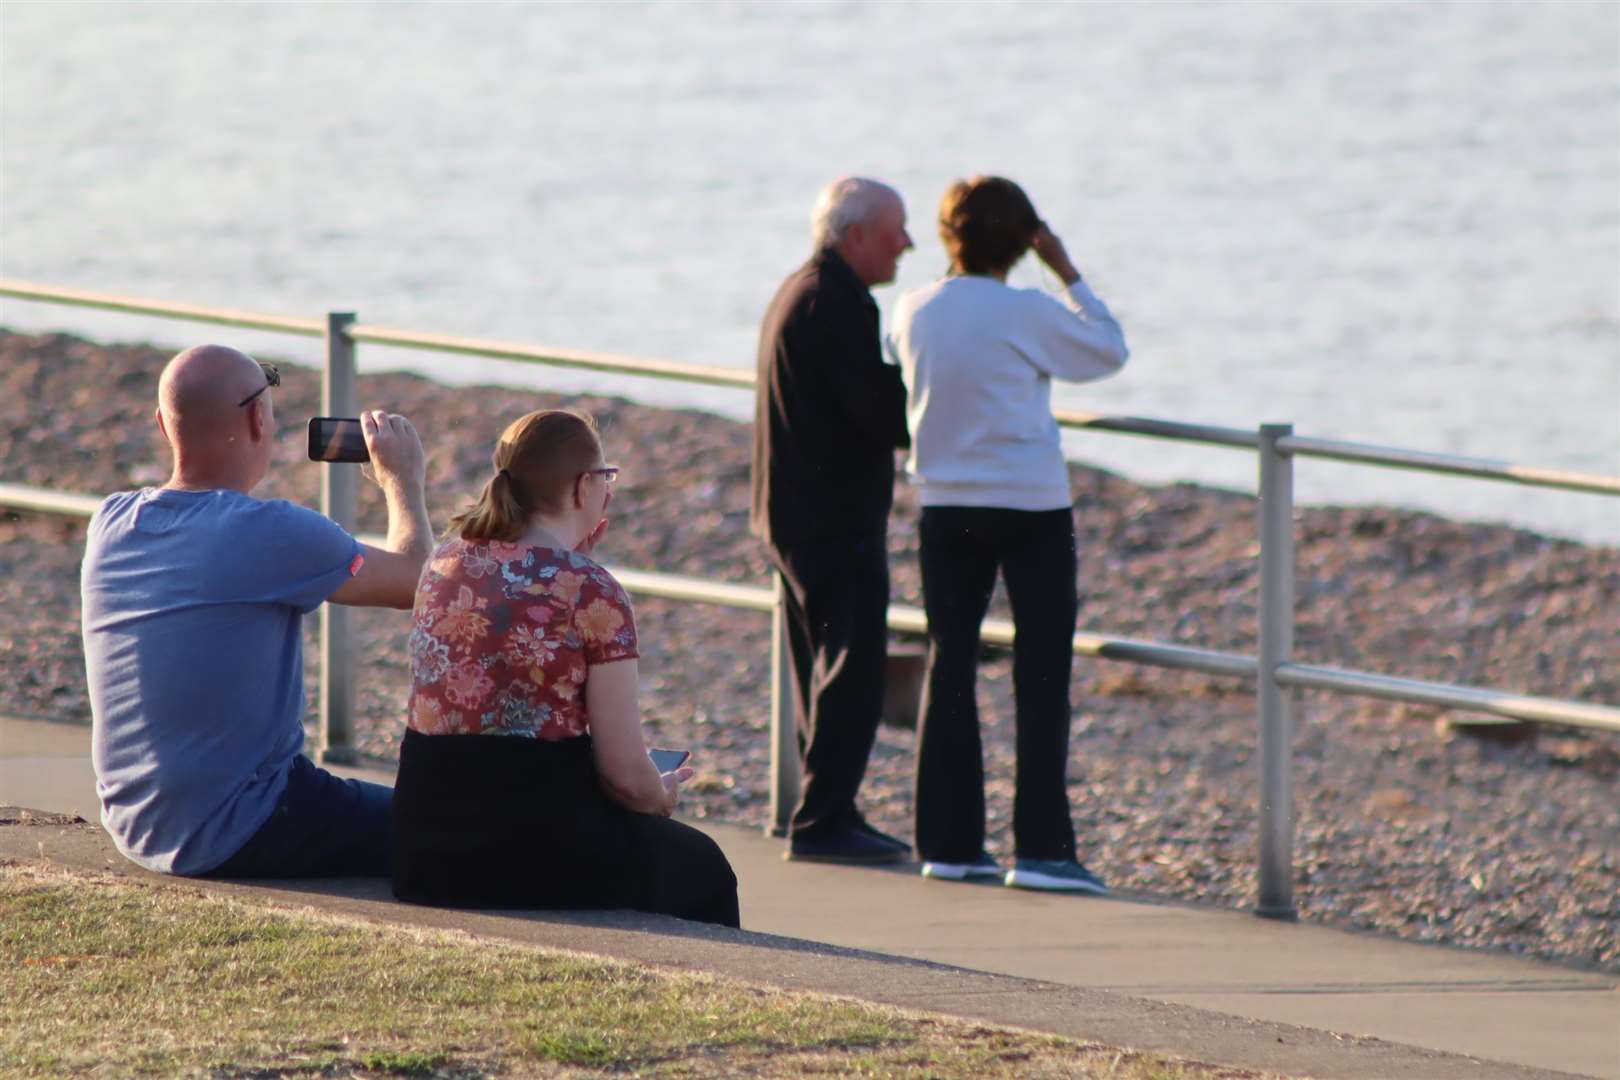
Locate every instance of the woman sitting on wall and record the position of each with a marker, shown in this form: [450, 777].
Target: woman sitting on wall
[524, 779]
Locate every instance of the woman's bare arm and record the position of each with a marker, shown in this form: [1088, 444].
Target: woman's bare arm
[627, 773]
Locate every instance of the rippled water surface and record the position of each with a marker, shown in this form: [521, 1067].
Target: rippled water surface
[1391, 223]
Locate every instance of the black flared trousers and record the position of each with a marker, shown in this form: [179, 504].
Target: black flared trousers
[962, 548]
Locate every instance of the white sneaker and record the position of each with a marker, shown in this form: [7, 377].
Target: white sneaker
[982, 867]
[1055, 875]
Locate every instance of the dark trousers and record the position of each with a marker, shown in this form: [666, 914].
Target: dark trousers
[837, 600]
[961, 550]
[500, 821]
[680, 871]
[322, 826]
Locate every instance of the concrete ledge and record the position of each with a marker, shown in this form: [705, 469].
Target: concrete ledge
[1111, 1018]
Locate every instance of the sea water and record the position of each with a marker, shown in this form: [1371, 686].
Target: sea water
[1390, 223]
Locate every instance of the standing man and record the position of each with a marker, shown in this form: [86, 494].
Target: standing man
[193, 598]
[829, 415]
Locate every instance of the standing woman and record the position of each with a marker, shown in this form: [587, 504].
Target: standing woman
[978, 358]
[524, 780]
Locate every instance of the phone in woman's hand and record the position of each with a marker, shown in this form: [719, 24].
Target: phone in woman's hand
[667, 761]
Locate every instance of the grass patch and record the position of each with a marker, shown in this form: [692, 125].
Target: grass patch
[110, 977]
[401, 1062]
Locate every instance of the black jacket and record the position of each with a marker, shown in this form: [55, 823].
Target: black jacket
[829, 412]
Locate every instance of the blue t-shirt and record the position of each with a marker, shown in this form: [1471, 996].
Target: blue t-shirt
[193, 646]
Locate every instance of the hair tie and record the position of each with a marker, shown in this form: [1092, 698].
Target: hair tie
[512, 486]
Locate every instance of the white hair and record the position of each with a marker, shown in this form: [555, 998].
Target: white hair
[849, 200]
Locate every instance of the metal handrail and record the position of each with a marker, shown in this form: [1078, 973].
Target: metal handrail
[907, 619]
[47, 501]
[1473, 699]
[251, 320]
[1207, 434]
[1236, 438]
[1342, 450]
[553, 356]
[1274, 671]
[1427, 461]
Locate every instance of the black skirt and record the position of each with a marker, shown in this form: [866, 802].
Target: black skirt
[506, 821]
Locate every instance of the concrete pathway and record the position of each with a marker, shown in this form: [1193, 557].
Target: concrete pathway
[1168, 973]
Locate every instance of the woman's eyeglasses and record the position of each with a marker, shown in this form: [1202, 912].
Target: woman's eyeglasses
[272, 377]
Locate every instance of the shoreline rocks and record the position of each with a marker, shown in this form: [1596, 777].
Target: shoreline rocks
[1402, 826]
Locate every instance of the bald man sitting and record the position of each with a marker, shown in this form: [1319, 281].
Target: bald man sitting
[193, 596]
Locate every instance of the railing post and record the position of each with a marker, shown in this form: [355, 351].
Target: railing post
[338, 487]
[1276, 702]
[784, 729]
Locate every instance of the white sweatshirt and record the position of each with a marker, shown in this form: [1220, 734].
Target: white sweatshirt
[978, 358]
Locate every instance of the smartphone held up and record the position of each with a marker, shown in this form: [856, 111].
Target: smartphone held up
[337, 438]
[667, 761]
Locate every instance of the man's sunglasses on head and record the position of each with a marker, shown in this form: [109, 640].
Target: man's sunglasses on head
[272, 377]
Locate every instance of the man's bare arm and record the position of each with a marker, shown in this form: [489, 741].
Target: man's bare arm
[388, 575]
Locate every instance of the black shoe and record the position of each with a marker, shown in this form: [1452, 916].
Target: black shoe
[844, 845]
[899, 845]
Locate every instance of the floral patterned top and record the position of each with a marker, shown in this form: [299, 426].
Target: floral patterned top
[503, 634]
